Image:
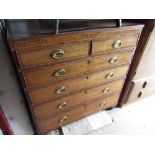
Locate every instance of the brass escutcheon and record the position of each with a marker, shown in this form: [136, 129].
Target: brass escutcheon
[58, 53]
[117, 44]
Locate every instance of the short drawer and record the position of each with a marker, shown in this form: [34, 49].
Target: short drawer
[63, 71]
[110, 60]
[77, 113]
[109, 44]
[66, 87]
[48, 109]
[52, 54]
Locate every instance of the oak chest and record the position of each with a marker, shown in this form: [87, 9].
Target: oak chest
[70, 75]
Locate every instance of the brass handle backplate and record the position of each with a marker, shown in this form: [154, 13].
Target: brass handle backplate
[62, 105]
[106, 90]
[102, 103]
[61, 89]
[110, 75]
[58, 53]
[113, 59]
[117, 44]
[63, 119]
[59, 72]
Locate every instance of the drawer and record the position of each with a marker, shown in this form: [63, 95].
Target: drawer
[105, 89]
[47, 109]
[52, 54]
[46, 75]
[55, 73]
[141, 88]
[66, 87]
[110, 60]
[109, 44]
[77, 113]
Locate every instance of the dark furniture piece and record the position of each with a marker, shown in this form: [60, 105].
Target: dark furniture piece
[141, 78]
[71, 68]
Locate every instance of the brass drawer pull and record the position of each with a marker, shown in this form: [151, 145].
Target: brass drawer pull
[110, 75]
[102, 103]
[58, 53]
[62, 105]
[63, 119]
[59, 73]
[113, 59]
[60, 90]
[117, 44]
[106, 90]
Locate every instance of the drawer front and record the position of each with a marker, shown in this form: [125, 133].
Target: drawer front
[60, 89]
[105, 89]
[57, 90]
[77, 113]
[141, 88]
[52, 54]
[55, 73]
[56, 107]
[110, 60]
[45, 110]
[108, 44]
[47, 74]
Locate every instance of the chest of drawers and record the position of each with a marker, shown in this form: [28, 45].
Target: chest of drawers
[71, 75]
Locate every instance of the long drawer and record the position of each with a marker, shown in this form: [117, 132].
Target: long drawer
[38, 76]
[77, 113]
[58, 106]
[66, 87]
[52, 54]
[119, 42]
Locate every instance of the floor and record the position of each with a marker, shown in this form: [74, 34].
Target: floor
[137, 118]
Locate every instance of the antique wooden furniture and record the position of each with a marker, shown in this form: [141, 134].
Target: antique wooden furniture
[73, 71]
[143, 82]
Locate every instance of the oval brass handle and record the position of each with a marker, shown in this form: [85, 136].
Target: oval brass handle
[113, 59]
[62, 105]
[61, 89]
[110, 75]
[59, 72]
[102, 103]
[63, 119]
[106, 90]
[58, 53]
[117, 44]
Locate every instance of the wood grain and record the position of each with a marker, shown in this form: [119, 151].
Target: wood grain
[45, 75]
[41, 55]
[48, 109]
[86, 62]
[77, 113]
[45, 40]
[106, 44]
[48, 92]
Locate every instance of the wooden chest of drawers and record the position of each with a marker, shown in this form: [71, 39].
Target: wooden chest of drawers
[71, 75]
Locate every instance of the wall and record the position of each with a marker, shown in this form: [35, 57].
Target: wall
[11, 99]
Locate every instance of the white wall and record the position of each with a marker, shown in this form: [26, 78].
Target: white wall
[11, 98]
